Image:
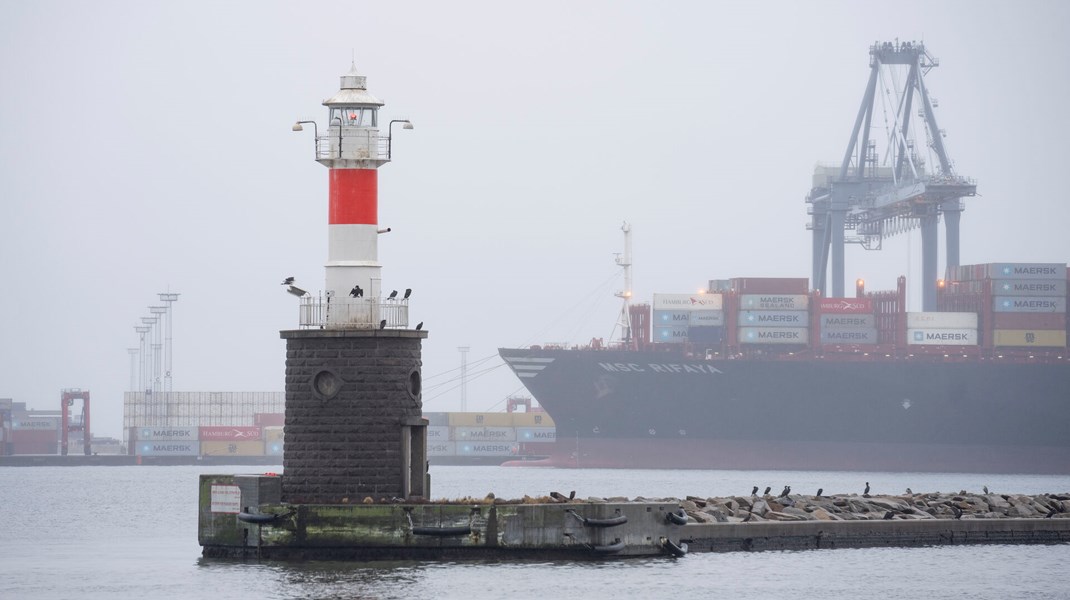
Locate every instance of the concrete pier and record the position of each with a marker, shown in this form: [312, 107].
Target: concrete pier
[244, 517]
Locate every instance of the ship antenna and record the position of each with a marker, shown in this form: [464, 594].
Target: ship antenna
[625, 262]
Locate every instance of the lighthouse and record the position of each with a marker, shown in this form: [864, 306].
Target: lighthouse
[353, 150]
[354, 402]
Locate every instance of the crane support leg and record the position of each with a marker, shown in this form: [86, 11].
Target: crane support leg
[837, 218]
[951, 224]
[929, 231]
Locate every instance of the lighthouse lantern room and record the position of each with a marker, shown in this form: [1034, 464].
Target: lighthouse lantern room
[353, 150]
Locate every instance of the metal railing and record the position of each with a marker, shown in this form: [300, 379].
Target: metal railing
[353, 313]
[327, 148]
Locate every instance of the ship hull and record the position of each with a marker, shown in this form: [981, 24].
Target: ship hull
[665, 410]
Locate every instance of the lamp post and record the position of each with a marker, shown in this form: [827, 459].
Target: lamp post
[390, 134]
[169, 298]
[315, 132]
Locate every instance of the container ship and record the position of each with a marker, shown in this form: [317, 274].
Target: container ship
[762, 373]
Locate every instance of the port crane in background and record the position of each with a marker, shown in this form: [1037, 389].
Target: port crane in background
[883, 191]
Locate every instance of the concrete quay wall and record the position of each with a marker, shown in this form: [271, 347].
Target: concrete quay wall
[812, 535]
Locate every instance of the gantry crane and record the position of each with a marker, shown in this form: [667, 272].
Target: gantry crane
[875, 195]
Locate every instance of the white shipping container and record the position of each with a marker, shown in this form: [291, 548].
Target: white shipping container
[164, 434]
[536, 434]
[671, 317]
[670, 335]
[688, 302]
[485, 449]
[774, 301]
[438, 433]
[706, 318]
[941, 320]
[484, 434]
[774, 318]
[154, 448]
[441, 448]
[858, 335]
[831, 321]
[1027, 270]
[774, 335]
[1028, 304]
[942, 337]
[1030, 287]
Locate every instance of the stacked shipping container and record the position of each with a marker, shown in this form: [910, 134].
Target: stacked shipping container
[694, 318]
[457, 437]
[773, 310]
[1028, 301]
[847, 321]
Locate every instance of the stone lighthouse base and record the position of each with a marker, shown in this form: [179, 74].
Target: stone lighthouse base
[354, 424]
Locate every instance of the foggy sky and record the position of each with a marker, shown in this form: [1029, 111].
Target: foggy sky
[146, 147]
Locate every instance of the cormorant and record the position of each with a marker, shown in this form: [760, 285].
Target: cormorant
[393, 294]
[749, 515]
[888, 516]
[382, 324]
[866, 492]
[956, 511]
[819, 490]
[785, 492]
[419, 326]
[767, 488]
[910, 492]
[754, 492]
[288, 281]
[985, 489]
[408, 292]
[356, 292]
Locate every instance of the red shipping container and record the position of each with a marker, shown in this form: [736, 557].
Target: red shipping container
[217, 432]
[771, 285]
[846, 306]
[269, 419]
[1002, 320]
[34, 436]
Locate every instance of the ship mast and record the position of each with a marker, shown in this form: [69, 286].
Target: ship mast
[625, 262]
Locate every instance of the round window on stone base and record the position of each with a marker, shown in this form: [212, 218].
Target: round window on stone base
[326, 384]
[415, 385]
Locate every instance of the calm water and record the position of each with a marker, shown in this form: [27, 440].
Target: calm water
[131, 532]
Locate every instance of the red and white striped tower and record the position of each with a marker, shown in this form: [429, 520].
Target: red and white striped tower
[353, 151]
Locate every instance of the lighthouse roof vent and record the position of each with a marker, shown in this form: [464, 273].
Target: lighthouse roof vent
[354, 91]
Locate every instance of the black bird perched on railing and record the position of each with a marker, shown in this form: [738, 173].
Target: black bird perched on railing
[767, 488]
[419, 326]
[382, 324]
[356, 292]
[408, 292]
[393, 294]
[754, 492]
[288, 281]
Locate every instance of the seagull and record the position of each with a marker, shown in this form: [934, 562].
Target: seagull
[754, 492]
[356, 292]
[866, 492]
[819, 490]
[393, 294]
[288, 281]
[419, 326]
[767, 488]
[408, 292]
[382, 324]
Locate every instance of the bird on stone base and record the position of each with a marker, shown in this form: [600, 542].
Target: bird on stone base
[382, 324]
[754, 492]
[819, 490]
[785, 492]
[749, 515]
[888, 516]
[419, 326]
[865, 493]
[910, 492]
[985, 488]
[767, 488]
[956, 511]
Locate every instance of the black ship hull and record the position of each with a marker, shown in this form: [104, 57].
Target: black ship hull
[660, 409]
